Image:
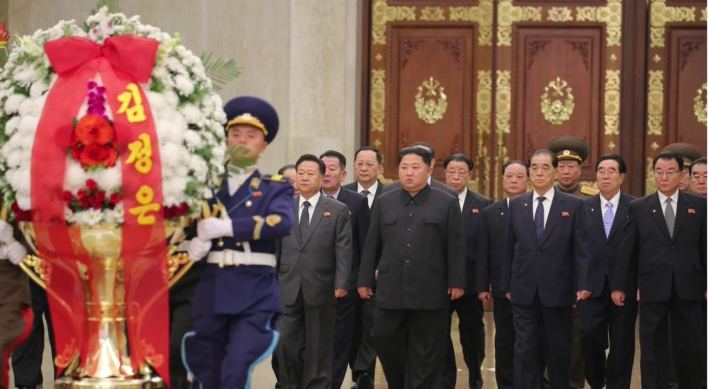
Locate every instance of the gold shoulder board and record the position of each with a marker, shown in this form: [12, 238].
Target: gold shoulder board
[589, 191]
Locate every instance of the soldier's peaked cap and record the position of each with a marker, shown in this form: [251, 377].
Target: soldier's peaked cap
[688, 151]
[569, 148]
[252, 111]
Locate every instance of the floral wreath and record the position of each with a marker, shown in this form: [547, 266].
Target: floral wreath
[187, 114]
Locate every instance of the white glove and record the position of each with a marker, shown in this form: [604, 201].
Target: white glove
[16, 252]
[6, 232]
[212, 228]
[198, 249]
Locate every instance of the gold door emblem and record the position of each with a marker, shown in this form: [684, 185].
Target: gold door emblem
[430, 111]
[699, 106]
[556, 112]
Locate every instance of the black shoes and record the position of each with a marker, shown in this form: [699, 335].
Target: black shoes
[364, 382]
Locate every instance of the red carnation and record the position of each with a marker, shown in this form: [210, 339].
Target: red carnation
[101, 195]
[91, 185]
[114, 198]
[81, 194]
[183, 208]
[67, 196]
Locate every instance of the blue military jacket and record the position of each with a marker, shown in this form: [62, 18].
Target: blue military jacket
[261, 212]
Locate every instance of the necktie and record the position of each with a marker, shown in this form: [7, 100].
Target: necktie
[670, 217]
[331, 197]
[538, 219]
[608, 218]
[366, 194]
[304, 220]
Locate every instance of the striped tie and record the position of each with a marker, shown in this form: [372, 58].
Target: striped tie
[670, 217]
[608, 218]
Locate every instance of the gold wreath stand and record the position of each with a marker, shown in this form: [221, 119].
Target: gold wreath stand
[109, 366]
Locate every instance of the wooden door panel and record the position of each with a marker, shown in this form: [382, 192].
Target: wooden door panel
[676, 79]
[568, 60]
[432, 65]
[557, 45]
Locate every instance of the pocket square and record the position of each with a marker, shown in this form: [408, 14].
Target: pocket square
[475, 210]
[327, 214]
[565, 214]
[258, 193]
[691, 210]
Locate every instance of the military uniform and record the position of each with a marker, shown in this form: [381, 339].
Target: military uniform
[574, 149]
[237, 302]
[16, 315]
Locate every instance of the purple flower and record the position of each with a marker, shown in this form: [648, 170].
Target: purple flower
[91, 85]
[100, 90]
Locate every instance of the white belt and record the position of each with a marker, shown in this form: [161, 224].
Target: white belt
[238, 258]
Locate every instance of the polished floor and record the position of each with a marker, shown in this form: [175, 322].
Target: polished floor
[263, 375]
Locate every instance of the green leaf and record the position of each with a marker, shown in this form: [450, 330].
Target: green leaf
[236, 159]
[220, 70]
[113, 6]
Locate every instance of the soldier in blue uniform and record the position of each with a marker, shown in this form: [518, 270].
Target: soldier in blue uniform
[237, 302]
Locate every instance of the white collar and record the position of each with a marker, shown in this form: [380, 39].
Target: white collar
[313, 200]
[430, 179]
[371, 189]
[462, 196]
[549, 195]
[614, 200]
[335, 195]
[662, 197]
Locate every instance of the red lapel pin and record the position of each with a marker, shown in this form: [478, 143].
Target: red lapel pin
[565, 214]
[475, 210]
[258, 193]
[327, 214]
[691, 210]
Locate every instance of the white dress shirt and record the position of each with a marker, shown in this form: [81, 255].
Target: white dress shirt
[615, 203]
[662, 201]
[235, 180]
[372, 191]
[335, 195]
[313, 203]
[461, 197]
[546, 204]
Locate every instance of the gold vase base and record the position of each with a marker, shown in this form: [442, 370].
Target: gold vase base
[110, 383]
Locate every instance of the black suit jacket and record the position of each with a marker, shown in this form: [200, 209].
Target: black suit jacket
[603, 250]
[421, 247]
[471, 216]
[359, 214]
[556, 265]
[433, 184]
[492, 232]
[658, 258]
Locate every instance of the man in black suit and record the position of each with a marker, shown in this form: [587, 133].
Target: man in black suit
[470, 311]
[545, 272]
[606, 217]
[697, 170]
[347, 306]
[665, 243]
[314, 265]
[492, 230]
[416, 237]
[362, 356]
[433, 183]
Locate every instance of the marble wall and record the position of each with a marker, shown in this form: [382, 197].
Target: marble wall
[301, 55]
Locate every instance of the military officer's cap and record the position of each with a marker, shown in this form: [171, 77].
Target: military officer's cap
[569, 148]
[252, 111]
[688, 151]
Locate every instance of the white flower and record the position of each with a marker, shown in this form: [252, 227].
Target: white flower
[38, 88]
[184, 85]
[199, 167]
[11, 125]
[12, 104]
[109, 180]
[75, 177]
[68, 214]
[172, 99]
[14, 159]
[26, 75]
[192, 114]
[193, 140]
[31, 47]
[31, 107]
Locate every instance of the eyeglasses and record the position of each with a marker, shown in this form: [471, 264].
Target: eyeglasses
[668, 174]
[360, 165]
[453, 173]
[610, 173]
